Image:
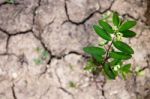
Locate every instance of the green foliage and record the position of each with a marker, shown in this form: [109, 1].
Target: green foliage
[72, 84]
[110, 56]
[92, 67]
[102, 33]
[106, 26]
[43, 55]
[95, 52]
[123, 47]
[109, 71]
[38, 61]
[10, 1]
[120, 55]
[127, 25]
[126, 68]
[116, 19]
[128, 33]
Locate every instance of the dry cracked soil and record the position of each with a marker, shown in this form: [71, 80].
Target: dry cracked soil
[41, 53]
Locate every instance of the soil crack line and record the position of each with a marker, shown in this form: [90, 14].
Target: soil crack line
[85, 19]
[66, 91]
[13, 92]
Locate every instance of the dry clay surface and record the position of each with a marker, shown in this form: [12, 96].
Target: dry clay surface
[59, 29]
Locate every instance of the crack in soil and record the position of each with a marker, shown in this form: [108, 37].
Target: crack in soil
[148, 64]
[46, 91]
[147, 13]
[103, 91]
[6, 3]
[13, 92]
[34, 11]
[61, 88]
[13, 34]
[58, 78]
[44, 46]
[134, 76]
[88, 17]
[71, 52]
[103, 82]
[130, 16]
[67, 92]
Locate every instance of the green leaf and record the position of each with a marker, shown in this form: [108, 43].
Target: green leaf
[94, 50]
[38, 61]
[115, 62]
[127, 25]
[119, 55]
[106, 26]
[98, 58]
[123, 47]
[109, 72]
[116, 19]
[102, 33]
[128, 33]
[126, 68]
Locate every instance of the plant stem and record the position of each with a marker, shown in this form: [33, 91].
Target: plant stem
[107, 52]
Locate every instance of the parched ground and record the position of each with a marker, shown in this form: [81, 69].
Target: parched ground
[41, 53]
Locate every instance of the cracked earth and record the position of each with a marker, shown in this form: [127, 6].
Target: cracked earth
[61, 28]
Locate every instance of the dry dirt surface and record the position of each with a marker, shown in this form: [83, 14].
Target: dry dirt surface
[41, 53]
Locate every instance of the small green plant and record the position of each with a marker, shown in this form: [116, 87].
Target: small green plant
[10, 1]
[72, 84]
[110, 56]
[43, 55]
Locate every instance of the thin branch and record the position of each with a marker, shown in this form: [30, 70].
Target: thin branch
[107, 52]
